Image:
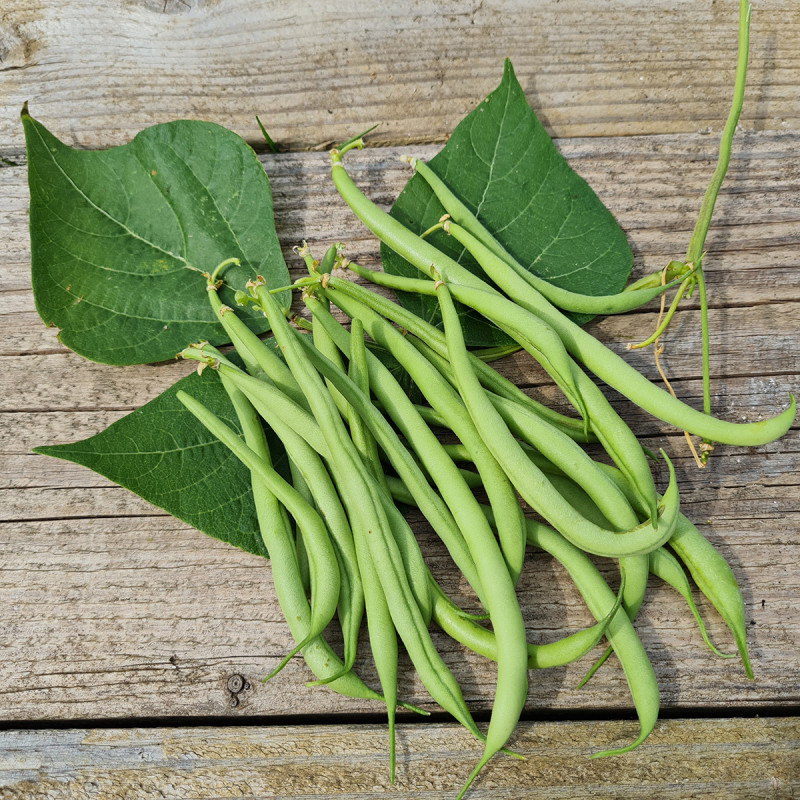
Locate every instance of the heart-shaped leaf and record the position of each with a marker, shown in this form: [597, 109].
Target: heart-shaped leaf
[504, 167]
[163, 454]
[120, 237]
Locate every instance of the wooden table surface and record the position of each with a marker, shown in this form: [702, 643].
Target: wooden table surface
[120, 627]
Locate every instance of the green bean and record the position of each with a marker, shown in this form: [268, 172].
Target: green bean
[615, 371]
[535, 489]
[431, 416]
[302, 436]
[299, 483]
[450, 618]
[666, 567]
[268, 399]
[620, 632]
[661, 563]
[358, 372]
[367, 516]
[532, 484]
[443, 398]
[383, 639]
[365, 444]
[562, 298]
[410, 555]
[715, 579]
[636, 567]
[434, 339]
[322, 661]
[322, 341]
[367, 447]
[543, 345]
[489, 354]
[314, 475]
[322, 559]
[343, 676]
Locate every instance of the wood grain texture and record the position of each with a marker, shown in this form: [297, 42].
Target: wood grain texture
[318, 74]
[118, 611]
[103, 608]
[684, 759]
[112, 611]
[652, 184]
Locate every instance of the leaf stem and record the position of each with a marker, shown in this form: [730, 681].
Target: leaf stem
[662, 326]
[227, 262]
[267, 138]
[694, 252]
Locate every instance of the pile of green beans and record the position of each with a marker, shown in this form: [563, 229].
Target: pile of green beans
[360, 449]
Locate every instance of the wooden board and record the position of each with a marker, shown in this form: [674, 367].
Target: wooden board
[101, 589]
[686, 758]
[318, 73]
[112, 613]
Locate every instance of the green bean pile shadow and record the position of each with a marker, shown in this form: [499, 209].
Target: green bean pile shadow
[315, 439]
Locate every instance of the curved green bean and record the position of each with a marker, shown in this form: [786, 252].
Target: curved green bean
[286, 578]
[303, 438]
[666, 567]
[715, 579]
[464, 630]
[529, 481]
[324, 567]
[562, 298]
[615, 371]
[608, 366]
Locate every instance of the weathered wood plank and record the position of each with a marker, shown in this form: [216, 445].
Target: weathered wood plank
[684, 758]
[652, 184]
[42, 488]
[104, 617]
[318, 74]
[107, 618]
[754, 343]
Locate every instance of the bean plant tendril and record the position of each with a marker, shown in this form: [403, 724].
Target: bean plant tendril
[308, 446]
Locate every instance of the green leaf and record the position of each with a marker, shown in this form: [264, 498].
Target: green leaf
[163, 454]
[504, 167]
[120, 237]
